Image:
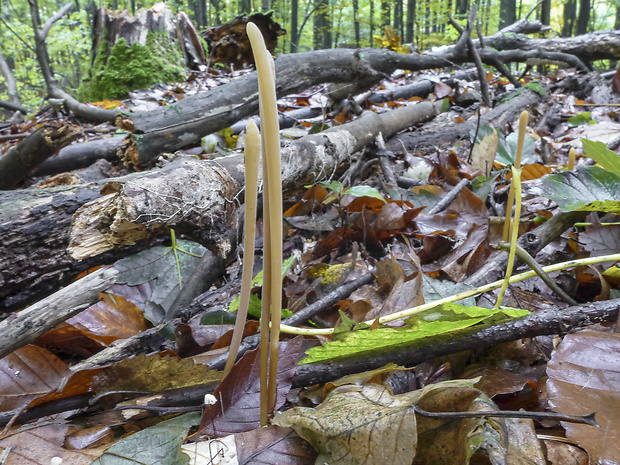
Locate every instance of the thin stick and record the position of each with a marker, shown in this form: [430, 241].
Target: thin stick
[463, 295]
[252, 157]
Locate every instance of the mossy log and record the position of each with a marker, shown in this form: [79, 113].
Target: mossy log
[135, 52]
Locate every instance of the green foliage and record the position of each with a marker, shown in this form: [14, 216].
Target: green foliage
[254, 308]
[585, 117]
[123, 69]
[507, 146]
[599, 152]
[447, 321]
[589, 188]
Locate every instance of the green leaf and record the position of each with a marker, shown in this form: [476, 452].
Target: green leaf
[167, 265]
[589, 188]
[584, 117]
[536, 87]
[255, 302]
[447, 321]
[335, 186]
[364, 191]
[157, 445]
[507, 150]
[599, 152]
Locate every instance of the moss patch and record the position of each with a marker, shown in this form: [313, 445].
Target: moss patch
[123, 68]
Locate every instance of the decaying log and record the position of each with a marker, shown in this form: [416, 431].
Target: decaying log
[500, 117]
[198, 198]
[34, 226]
[45, 142]
[34, 223]
[24, 327]
[229, 44]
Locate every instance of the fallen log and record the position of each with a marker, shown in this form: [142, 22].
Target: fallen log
[192, 196]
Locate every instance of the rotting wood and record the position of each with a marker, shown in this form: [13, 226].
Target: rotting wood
[24, 327]
[199, 197]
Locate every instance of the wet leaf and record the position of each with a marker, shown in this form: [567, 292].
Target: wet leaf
[37, 445]
[160, 264]
[583, 378]
[153, 373]
[28, 373]
[273, 445]
[357, 425]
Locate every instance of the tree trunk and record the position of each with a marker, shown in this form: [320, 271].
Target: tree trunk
[322, 36]
[385, 14]
[545, 12]
[409, 30]
[356, 22]
[507, 13]
[569, 17]
[11, 85]
[583, 19]
[398, 17]
[294, 34]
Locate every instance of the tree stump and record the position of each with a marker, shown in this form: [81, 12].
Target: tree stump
[135, 52]
[229, 45]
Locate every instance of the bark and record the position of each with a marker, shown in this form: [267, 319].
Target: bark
[45, 142]
[24, 327]
[192, 196]
[539, 323]
[500, 117]
[34, 226]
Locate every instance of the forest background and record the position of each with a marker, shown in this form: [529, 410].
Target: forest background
[318, 24]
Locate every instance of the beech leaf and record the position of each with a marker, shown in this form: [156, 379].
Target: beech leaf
[584, 376]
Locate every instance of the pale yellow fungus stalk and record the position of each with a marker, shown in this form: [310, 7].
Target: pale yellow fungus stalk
[571, 159]
[272, 212]
[252, 157]
[516, 183]
[517, 165]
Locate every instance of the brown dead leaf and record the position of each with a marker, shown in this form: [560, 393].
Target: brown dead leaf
[583, 378]
[27, 374]
[273, 444]
[483, 153]
[238, 395]
[38, 445]
[153, 373]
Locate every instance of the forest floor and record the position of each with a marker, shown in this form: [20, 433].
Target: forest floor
[368, 249]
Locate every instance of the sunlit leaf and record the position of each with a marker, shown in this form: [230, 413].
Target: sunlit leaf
[599, 152]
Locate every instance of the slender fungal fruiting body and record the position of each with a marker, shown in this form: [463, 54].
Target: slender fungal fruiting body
[272, 211]
[252, 157]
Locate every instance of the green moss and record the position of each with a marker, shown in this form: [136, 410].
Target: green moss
[123, 68]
